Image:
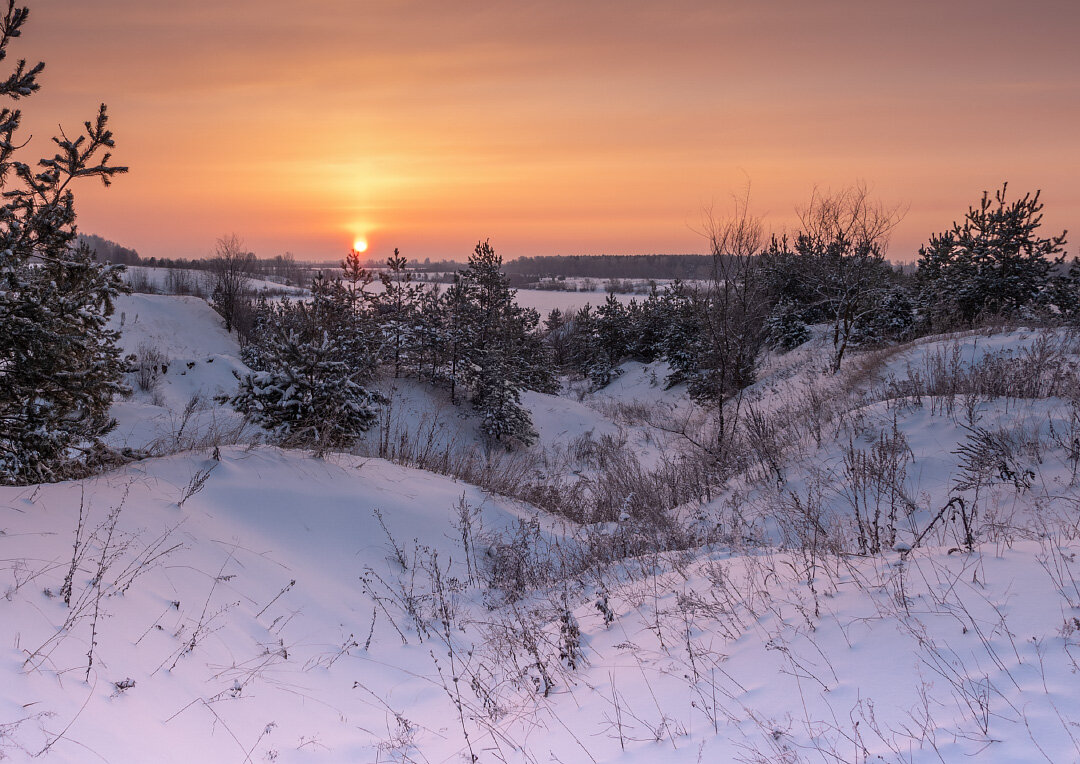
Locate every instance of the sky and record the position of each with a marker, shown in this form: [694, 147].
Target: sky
[556, 127]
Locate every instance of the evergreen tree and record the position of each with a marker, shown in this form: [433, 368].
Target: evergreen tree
[457, 332]
[307, 388]
[645, 327]
[557, 332]
[612, 329]
[497, 352]
[59, 364]
[397, 306]
[993, 263]
[893, 321]
[356, 279]
[429, 333]
[680, 317]
[784, 328]
[1061, 296]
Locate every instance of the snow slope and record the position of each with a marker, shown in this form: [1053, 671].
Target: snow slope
[270, 617]
[244, 607]
[200, 359]
[276, 607]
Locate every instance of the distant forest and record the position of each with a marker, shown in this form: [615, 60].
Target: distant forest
[109, 251]
[614, 266]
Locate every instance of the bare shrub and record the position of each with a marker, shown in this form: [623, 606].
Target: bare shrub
[874, 485]
[181, 281]
[989, 456]
[199, 428]
[151, 362]
[1045, 368]
[805, 523]
[140, 281]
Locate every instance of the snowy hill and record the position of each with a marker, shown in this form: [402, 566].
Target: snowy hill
[227, 592]
[193, 359]
[883, 568]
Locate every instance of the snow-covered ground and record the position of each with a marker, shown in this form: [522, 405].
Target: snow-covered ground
[544, 301]
[824, 605]
[196, 360]
[163, 280]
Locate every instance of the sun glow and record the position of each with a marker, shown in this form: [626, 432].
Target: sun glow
[360, 245]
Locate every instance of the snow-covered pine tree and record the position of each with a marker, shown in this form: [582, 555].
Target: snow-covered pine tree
[893, 321]
[785, 328]
[557, 327]
[308, 384]
[646, 328]
[498, 399]
[459, 320]
[1060, 298]
[59, 364]
[993, 263]
[681, 332]
[429, 334]
[397, 310]
[356, 278]
[499, 351]
[612, 329]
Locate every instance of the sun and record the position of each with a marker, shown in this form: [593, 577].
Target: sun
[360, 245]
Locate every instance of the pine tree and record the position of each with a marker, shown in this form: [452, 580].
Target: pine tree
[893, 321]
[59, 363]
[429, 333]
[357, 278]
[587, 353]
[397, 310]
[457, 332]
[646, 330]
[612, 329]
[993, 263]
[785, 328]
[497, 351]
[682, 330]
[556, 336]
[1061, 296]
[307, 387]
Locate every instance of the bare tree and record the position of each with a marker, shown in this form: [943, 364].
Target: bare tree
[731, 308]
[230, 270]
[844, 236]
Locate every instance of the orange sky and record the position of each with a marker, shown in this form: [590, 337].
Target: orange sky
[551, 127]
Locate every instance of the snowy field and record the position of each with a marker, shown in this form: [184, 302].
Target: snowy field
[889, 574]
[543, 301]
[164, 280]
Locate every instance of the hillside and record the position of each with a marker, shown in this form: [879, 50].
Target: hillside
[884, 571]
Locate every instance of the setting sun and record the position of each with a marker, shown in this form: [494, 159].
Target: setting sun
[360, 245]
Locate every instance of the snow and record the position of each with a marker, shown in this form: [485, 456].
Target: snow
[272, 606]
[545, 301]
[158, 279]
[202, 360]
[261, 520]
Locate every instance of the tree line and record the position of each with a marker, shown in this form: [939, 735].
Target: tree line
[761, 292]
[313, 360]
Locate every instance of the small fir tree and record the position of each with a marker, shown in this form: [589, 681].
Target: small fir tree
[59, 363]
[307, 387]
